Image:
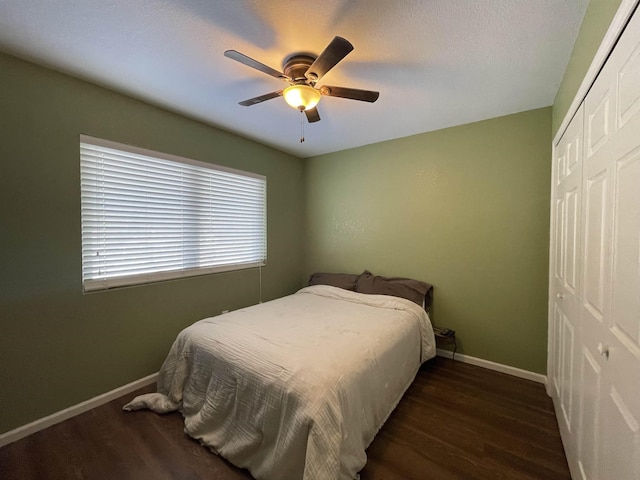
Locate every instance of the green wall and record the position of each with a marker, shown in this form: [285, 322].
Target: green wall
[59, 347]
[466, 209]
[594, 26]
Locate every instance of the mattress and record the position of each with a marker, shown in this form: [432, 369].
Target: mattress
[298, 387]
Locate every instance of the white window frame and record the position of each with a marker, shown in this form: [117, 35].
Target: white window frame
[149, 216]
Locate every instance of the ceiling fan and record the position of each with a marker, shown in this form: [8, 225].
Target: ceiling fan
[302, 71]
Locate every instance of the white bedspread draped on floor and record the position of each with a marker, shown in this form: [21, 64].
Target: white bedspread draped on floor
[295, 388]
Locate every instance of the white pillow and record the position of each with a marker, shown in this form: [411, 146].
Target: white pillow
[156, 402]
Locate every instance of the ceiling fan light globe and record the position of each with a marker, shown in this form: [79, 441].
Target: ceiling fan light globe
[301, 97]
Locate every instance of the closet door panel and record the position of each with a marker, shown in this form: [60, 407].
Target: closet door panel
[567, 377]
[570, 239]
[564, 342]
[559, 240]
[621, 447]
[596, 260]
[589, 417]
[611, 248]
[625, 316]
[599, 123]
[596, 194]
[625, 323]
[628, 81]
[622, 346]
[556, 345]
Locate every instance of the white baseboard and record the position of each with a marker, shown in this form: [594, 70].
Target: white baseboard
[42, 423]
[37, 425]
[498, 367]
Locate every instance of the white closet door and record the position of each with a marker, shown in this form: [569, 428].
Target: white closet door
[609, 442]
[597, 189]
[565, 278]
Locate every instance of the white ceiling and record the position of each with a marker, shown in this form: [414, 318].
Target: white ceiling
[436, 63]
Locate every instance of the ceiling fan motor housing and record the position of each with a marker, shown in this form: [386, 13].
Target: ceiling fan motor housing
[295, 67]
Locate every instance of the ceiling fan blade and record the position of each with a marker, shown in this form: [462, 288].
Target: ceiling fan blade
[261, 98]
[250, 62]
[351, 93]
[312, 115]
[329, 58]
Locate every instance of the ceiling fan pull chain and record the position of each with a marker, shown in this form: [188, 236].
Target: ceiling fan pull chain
[301, 126]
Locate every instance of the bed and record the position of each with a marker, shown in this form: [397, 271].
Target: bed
[298, 387]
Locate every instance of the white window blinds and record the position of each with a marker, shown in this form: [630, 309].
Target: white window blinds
[148, 216]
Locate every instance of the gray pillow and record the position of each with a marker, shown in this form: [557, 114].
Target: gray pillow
[346, 281]
[415, 290]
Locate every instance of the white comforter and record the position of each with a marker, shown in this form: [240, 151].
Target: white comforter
[295, 388]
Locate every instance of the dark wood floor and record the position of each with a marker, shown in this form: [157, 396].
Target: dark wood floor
[456, 421]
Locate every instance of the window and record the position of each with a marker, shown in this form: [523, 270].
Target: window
[148, 216]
